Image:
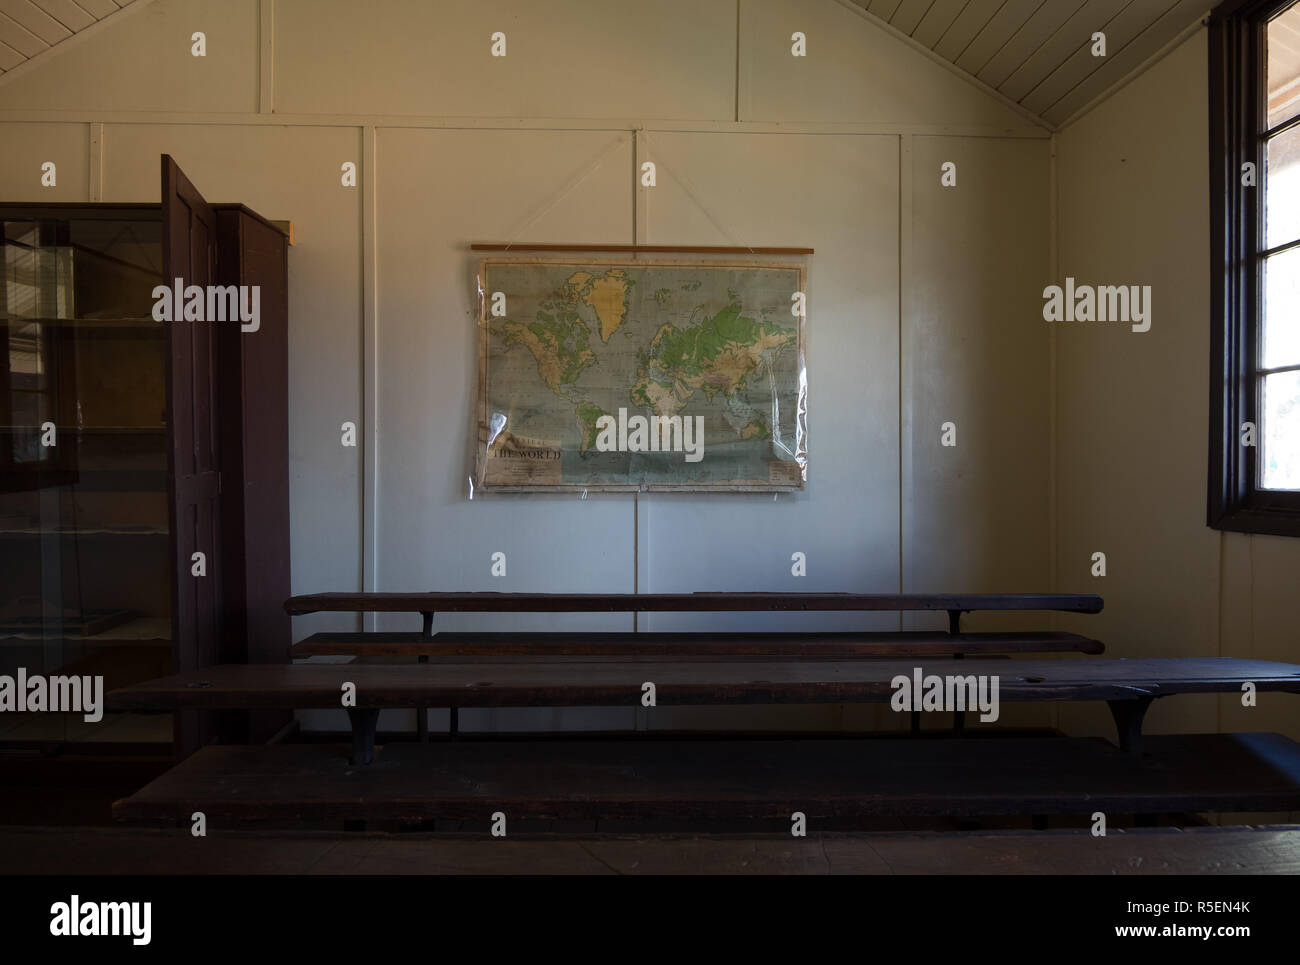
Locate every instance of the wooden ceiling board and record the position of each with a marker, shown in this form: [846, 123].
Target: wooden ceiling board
[1002, 27]
[909, 14]
[1038, 29]
[1037, 53]
[1067, 39]
[35, 20]
[1131, 20]
[67, 13]
[974, 16]
[1120, 63]
[937, 20]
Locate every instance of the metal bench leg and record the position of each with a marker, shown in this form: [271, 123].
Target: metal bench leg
[421, 711]
[954, 627]
[364, 721]
[422, 716]
[1128, 716]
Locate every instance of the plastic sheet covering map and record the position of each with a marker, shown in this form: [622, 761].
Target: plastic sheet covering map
[649, 375]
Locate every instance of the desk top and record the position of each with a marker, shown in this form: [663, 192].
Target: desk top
[683, 602]
[614, 682]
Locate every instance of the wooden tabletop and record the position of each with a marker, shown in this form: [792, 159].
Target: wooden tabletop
[466, 682]
[691, 645]
[693, 602]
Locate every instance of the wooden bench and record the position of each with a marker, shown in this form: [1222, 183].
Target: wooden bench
[1128, 686]
[424, 644]
[686, 646]
[555, 669]
[430, 603]
[682, 646]
[751, 783]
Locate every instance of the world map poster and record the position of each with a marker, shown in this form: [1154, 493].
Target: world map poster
[643, 375]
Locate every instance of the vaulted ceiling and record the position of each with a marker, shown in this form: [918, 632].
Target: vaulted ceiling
[1038, 53]
[31, 27]
[1035, 52]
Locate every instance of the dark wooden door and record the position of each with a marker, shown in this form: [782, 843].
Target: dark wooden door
[254, 380]
[189, 245]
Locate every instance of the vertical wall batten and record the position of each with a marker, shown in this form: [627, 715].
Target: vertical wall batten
[906, 371]
[266, 57]
[369, 368]
[96, 172]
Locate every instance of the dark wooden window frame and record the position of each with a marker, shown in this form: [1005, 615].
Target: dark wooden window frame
[1237, 94]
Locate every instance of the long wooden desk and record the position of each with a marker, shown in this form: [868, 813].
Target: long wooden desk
[685, 645]
[1128, 685]
[418, 781]
[689, 645]
[682, 602]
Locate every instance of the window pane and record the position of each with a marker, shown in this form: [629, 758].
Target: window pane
[1282, 189]
[1284, 66]
[1281, 314]
[1280, 455]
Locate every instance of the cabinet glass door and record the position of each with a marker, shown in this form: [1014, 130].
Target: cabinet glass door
[84, 553]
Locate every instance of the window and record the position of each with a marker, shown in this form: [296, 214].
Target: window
[1255, 267]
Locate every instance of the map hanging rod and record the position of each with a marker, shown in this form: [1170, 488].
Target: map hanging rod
[663, 249]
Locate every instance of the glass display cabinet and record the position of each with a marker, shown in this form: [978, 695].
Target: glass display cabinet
[83, 470]
[125, 449]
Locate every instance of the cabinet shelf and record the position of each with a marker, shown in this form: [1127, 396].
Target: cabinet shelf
[136, 632]
[35, 531]
[90, 324]
[120, 481]
[158, 430]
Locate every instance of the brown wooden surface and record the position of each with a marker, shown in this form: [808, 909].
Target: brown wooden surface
[663, 249]
[1163, 851]
[254, 457]
[193, 444]
[692, 602]
[723, 780]
[598, 681]
[694, 645]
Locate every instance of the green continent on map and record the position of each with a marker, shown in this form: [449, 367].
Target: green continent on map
[558, 340]
[588, 415]
[716, 356]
